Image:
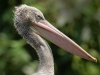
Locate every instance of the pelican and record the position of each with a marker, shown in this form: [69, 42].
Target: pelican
[31, 24]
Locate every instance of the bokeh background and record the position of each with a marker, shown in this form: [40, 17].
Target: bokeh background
[78, 19]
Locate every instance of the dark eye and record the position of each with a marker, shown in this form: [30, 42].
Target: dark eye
[39, 17]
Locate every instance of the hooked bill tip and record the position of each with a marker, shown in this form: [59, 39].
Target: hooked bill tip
[92, 58]
[95, 60]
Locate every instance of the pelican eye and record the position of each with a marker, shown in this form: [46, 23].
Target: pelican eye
[39, 17]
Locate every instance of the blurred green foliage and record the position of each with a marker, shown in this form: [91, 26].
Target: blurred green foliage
[78, 19]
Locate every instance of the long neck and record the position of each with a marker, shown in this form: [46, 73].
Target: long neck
[46, 66]
[46, 59]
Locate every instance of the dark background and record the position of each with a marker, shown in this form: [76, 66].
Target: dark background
[78, 19]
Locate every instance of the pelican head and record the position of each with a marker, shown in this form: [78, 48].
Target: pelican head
[33, 20]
